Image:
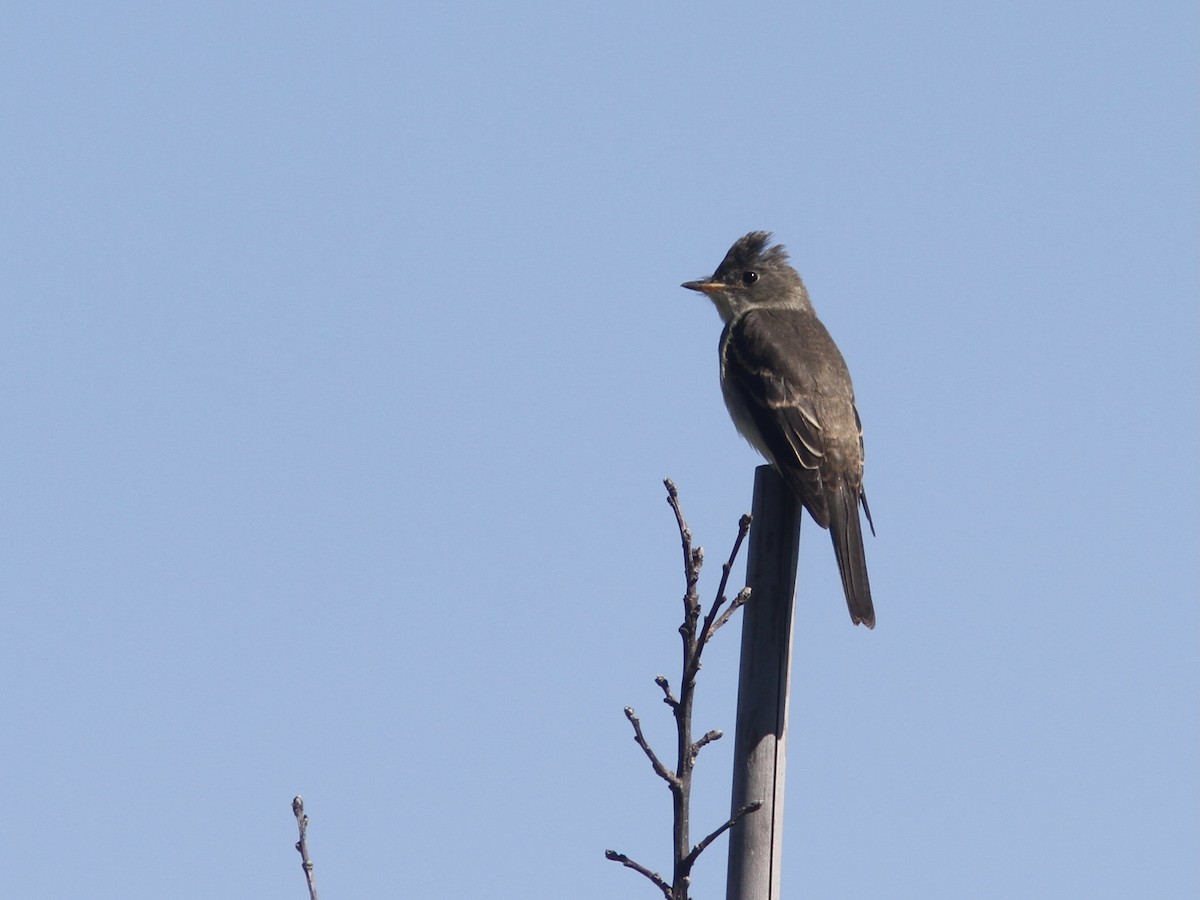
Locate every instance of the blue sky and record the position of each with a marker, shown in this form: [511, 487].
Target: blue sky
[345, 355]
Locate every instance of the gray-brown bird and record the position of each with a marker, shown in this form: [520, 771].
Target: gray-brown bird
[789, 393]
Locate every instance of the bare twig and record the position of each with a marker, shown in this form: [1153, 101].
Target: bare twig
[710, 628]
[733, 820]
[302, 845]
[738, 602]
[694, 636]
[662, 771]
[743, 530]
[668, 697]
[692, 560]
[713, 735]
[638, 867]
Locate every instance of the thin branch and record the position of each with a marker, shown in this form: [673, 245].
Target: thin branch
[733, 820]
[694, 641]
[709, 628]
[668, 697]
[638, 867]
[691, 559]
[743, 530]
[302, 845]
[662, 771]
[714, 735]
[738, 602]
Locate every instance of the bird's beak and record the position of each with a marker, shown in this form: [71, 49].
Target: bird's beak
[704, 287]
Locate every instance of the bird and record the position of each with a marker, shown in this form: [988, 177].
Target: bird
[788, 391]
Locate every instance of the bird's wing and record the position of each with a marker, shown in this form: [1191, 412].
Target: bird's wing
[769, 362]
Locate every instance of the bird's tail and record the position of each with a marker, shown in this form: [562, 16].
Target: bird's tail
[846, 530]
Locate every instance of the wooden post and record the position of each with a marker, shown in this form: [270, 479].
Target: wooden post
[760, 740]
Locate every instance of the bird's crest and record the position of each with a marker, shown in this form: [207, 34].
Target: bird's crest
[752, 249]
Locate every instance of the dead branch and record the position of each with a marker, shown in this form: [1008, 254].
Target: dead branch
[302, 845]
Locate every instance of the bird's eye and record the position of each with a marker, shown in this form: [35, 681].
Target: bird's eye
[748, 278]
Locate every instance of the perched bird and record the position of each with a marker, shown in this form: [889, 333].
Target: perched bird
[788, 391]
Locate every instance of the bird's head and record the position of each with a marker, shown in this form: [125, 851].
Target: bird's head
[753, 274]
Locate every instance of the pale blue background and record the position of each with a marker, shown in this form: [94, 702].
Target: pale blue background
[343, 356]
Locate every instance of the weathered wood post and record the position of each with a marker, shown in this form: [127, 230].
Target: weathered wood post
[760, 741]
